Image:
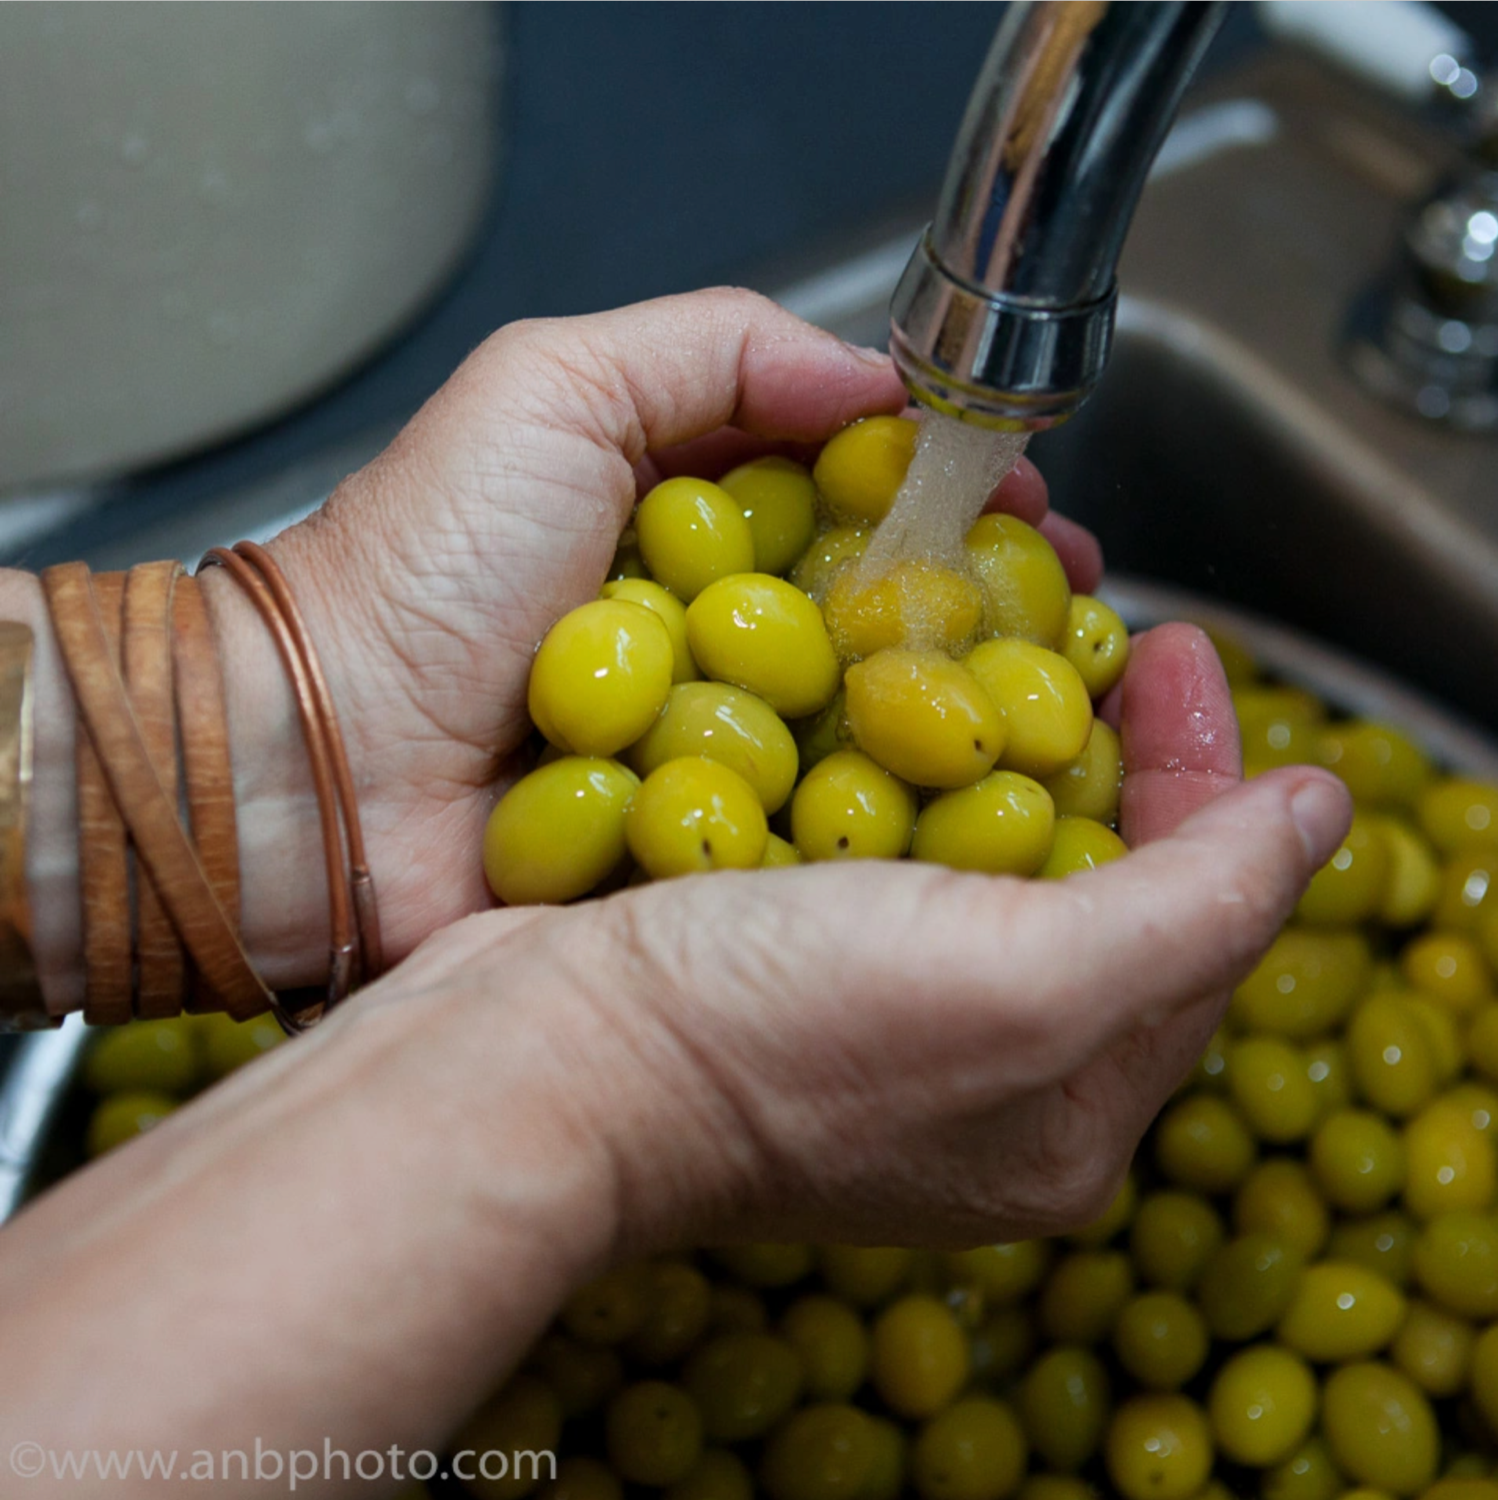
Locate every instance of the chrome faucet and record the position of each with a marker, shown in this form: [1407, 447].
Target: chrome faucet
[1004, 316]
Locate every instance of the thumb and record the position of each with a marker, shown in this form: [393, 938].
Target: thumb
[1189, 914]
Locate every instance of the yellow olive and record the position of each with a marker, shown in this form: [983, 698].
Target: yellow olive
[1003, 825]
[1380, 1428]
[1088, 786]
[1331, 1076]
[1247, 1285]
[779, 502]
[923, 717]
[159, 1057]
[692, 532]
[581, 1376]
[848, 807]
[1350, 886]
[1280, 1197]
[1160, 1339]
[1064, 1400]
[828, 556]
[1308, 1474]
[1443, 1034]
[1046, 708]
[1414, 883]
[727, 725]
[121, 1117]
[1202, 1143]
[671, 612]
[1173, 1237]
[823, 733]
[717, 1475]
[920, 1356]
[1083, 1296]
[1469, 894]
[601, 676]
[559, 831]
[1096, 643]
[742, 1384]
[1457, 813]
[763, 634]
[523, 1417]
[1262, 1404]
[1390, 1053]
[1456, 1263]
[1305, 985]
[767, 1263]
[861, 469]
[654, 1433]
[692, 815]
[1158, 1447]
[1080, 844]
[823, 1452]
[974, 1450]
[1025, 587]
[608, 1309]
[1384, 1243]
[779, 854]
[1278, 726]
[1449, 1162]
[1450, 969]
[1003, 1273]
[1267, 1080]
[1340, 1311]
[919, 605]
[885, 1479]
[677, 1304]
[864, 1275]
[1381, 765]
[1358, 1159]
[1434, 1348]
[832, 1344]
[228, 1044]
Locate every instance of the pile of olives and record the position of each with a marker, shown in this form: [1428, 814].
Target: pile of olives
[742, 694]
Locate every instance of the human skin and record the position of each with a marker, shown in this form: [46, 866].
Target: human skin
[357, 1238]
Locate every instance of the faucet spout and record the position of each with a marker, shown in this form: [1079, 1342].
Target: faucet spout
[1004, 316]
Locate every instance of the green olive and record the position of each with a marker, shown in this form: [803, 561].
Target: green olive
[1161, 1340]
[822, 1452]
[582, 1377]
[1065, 1399]
[779, 503]
[1280, 1197]
[677, 1303]
[974, 1450]
[743, 1384]
[1247, 1285]
[121, 1117]
[1001, 825]
[1358, 1160]
[1088, 785]
[1340, 1311]
[1084, 1294]
[654, 1433]
[1383, 1242]
[1456, 1263]
[1173, 1237]
[1158, 1447]
[1380, 1428]
[1201, 1143]
[1024, 584]
[832, 1344]
[864, 1276]
[1305, 985]
[1434, 1348]
[692, 533]
[523, 1417]
[1262, 1404]
[717, 1475]
[160, 1057]
[919, 1357]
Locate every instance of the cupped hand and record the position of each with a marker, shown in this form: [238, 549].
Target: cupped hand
[431, 575]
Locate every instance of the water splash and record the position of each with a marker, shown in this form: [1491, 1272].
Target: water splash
[956, 467]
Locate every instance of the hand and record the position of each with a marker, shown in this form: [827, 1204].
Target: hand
[431, 575]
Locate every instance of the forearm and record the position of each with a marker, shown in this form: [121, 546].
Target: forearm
[281, 868]
[352, 1242]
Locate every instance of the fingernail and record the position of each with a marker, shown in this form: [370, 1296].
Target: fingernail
[867, 355]
[1321, 810]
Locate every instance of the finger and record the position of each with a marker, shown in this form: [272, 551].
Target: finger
[712, 456]
[1190, 913]
[661, 373]
[1080, 552]
[1022, 492]
[1179, 731]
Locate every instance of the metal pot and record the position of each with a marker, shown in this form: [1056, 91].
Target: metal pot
[213, 211]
